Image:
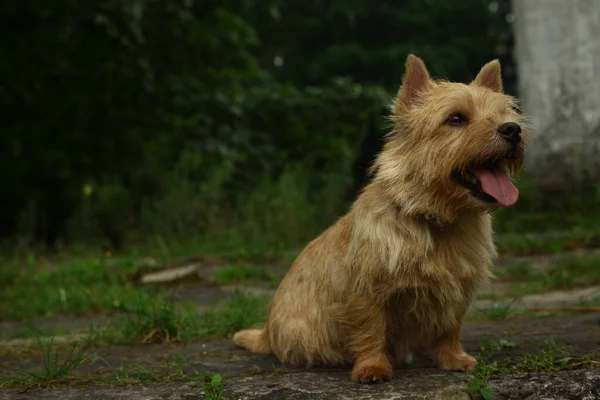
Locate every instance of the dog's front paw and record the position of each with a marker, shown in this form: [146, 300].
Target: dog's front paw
[456, 362]
[372, 371]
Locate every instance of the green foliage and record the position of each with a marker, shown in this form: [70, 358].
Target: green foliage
[131, 121]
[566, 272]
[240, 312]
[368, 42]
[478, 386]
[272, 187]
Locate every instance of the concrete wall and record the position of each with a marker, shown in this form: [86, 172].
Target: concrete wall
[558, 61]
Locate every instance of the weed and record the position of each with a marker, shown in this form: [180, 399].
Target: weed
[484, 369]
[213, 386]
[478, 386]
[54, 370]
[550, 358]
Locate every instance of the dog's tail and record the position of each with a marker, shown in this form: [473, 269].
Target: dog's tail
[255, 340]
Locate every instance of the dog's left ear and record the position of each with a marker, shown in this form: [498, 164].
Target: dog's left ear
[490, 77]
[416, 79]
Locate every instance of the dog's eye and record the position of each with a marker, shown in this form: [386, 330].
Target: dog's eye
[516, 108]
[457, 119]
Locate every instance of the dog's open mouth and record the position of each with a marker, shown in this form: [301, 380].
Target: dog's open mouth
[489, 182]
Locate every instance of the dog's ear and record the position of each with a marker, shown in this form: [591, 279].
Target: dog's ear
[490, 77]
[416, 79]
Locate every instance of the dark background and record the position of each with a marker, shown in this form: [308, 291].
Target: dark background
[128, 121]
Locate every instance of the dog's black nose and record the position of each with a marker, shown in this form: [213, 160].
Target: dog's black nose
[510, 131]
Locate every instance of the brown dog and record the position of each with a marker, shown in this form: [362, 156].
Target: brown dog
[399, 271]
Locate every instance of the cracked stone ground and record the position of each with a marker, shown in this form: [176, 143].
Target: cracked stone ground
[535, 330]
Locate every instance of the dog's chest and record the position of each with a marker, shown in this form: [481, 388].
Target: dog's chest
[447, 273]
[461, 253]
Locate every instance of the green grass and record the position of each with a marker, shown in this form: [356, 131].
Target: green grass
[549, 358]
[518, 272]
[107, 286]
[573, 272]
[224, 249]
[500, 310]
[165, 322]
[520, 289]
[239, 312]
[150, 316]
[565, 273]
[76, 288]
[548, 243]
[31, 331]
[242, 273]
[159, 321]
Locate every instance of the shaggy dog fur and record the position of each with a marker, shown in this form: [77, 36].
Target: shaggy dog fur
[399, 270]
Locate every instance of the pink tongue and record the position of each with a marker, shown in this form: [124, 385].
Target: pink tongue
[498, 185]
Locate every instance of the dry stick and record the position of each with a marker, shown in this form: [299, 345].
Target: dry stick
[580, 309]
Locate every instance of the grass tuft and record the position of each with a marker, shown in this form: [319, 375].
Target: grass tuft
[55, 369]
[241, 311]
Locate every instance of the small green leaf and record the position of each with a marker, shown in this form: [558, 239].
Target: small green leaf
[216, 381]
[506, 344]
[486, 393]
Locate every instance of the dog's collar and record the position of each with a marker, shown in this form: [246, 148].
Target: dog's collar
[439, 222]
[436, 220]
